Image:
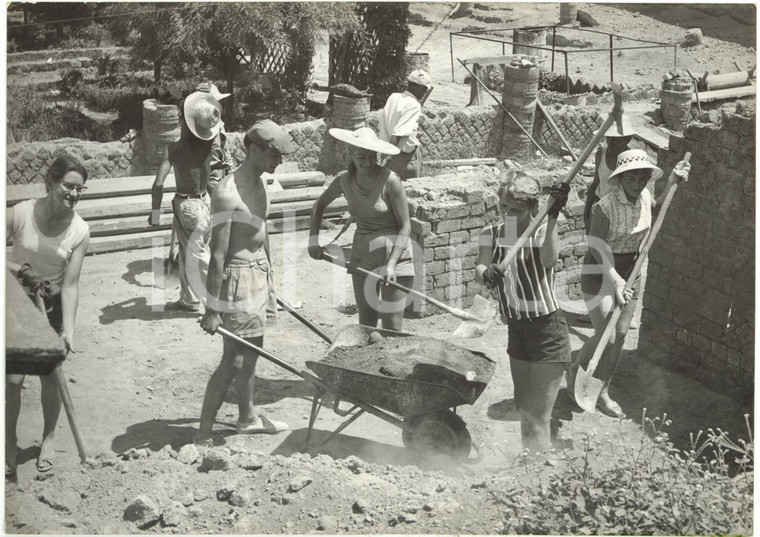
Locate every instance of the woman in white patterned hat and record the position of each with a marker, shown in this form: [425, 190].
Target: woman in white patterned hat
[377, 201]
[620, 222]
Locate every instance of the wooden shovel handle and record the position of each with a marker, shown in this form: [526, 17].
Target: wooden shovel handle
[364, 272]
[615, 315]
[617, 110]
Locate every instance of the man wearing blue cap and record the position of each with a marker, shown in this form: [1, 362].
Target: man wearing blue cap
[238, 282]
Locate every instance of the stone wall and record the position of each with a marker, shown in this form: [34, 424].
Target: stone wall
[698, 313]
[577, 125]
[28, 162]
[448, 213]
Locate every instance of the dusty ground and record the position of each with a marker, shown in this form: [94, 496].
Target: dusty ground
[138, 382]
[139, 378]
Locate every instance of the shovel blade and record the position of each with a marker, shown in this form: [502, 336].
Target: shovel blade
[587, 390]
[484, 312]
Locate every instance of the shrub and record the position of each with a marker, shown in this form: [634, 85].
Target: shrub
[70, 79]
[551, 81]
[92, 35]
[614, 488]
[31, 119]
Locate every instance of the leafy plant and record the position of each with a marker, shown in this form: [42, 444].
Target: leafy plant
[613, 488]
[91, 35]
[551, 81]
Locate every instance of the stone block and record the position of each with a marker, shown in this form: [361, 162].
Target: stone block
[420, 227]
[699, 132]
[473, 222]
[444, 252]
[447, 226]
[454, 292]
[434, 268]
[459, 237]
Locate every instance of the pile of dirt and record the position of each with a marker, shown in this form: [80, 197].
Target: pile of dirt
[237, 490]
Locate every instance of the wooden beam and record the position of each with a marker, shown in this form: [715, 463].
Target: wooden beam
[731, 93]
[493, 60]
[554, 126]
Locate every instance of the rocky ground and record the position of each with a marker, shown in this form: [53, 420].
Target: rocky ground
[138, 381]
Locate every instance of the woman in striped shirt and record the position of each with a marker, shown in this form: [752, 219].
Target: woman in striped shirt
[538, 341]
[620, 222]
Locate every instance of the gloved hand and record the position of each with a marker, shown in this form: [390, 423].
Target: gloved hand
[33, 281]
[493, 275]
[559, 192]
[681, 171]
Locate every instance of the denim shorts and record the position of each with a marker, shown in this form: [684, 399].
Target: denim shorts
[543, 339]
[245, 288]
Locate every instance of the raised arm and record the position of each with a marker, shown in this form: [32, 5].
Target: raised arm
[157, 191]
[70, 292]
[333, 192]
[680, 173]
[549, 252]
[400, 208]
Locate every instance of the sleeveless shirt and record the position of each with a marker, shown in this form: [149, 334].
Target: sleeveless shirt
[527, 290]
[371, 209]
[48, 256]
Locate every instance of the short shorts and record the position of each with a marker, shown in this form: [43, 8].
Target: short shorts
[543, 339]
[54, 312]
[245, 288]
[372, 250]
[593, 282]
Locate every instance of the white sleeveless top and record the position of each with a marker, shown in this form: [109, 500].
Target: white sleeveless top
[603, 188]
[48, 256]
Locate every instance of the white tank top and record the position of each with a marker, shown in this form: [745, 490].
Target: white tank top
[603, 188]
[48, 256]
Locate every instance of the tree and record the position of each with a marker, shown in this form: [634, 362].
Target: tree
[222, 33]
[147, 28]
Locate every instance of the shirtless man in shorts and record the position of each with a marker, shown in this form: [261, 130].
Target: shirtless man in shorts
[237, 283]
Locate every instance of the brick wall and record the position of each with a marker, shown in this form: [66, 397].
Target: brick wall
[449, 211]
[29, 162]
[577, 125]
[699, 301]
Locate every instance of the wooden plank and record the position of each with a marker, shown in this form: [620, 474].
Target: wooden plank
[731, 93]
[554, 126]
[102, 245]
[139, 224]
[493, 60]
[461, 162]
[142, 184]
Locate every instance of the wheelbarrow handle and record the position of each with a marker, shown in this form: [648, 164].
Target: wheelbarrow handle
[261, 352]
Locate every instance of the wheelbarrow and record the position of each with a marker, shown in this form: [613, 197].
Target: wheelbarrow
[420, 404]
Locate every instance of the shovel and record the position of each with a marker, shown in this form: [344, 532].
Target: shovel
[482, 308]
[614, 116]
[364, 272]
[587, 388]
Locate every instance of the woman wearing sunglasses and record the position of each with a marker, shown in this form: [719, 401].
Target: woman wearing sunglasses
[49, 244]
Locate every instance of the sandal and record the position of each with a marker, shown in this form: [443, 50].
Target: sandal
[263, 426]
[44, 465]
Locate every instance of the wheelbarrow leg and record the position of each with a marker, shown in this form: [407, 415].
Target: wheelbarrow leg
[316, 405]
[342, 426]
[68, 405]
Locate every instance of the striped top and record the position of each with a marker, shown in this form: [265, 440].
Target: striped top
[527, 290]
[629, 222]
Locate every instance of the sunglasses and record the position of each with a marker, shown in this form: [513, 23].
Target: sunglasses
[69, 187]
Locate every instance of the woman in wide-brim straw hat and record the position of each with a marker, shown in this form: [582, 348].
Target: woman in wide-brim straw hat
[203, 115]
[377, 201]
[605, 160]
[620, 222]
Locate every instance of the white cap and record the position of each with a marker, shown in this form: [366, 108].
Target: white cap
[420, 76]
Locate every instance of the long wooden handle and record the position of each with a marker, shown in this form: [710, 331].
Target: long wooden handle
[533, 226]
[364, 272]
[495, 98]
[615, 315]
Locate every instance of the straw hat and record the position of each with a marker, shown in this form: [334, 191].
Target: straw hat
[365, 138]
[633, 159]
[203, 114]
[420, 76]
[613, 132]
[210, 88]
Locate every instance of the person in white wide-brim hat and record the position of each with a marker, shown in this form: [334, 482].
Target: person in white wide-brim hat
[620, 222]
[190, 157]
[398, 123]
[221, 162]
[377, 201]
[615, 142]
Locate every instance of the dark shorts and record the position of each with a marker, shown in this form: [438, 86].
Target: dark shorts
[371, 251]
[54, 311]
[593, 282]
[544, 339]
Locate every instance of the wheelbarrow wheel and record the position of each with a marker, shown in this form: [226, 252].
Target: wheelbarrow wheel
[441, 433]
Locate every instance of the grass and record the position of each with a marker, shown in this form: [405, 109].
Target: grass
[610, 487]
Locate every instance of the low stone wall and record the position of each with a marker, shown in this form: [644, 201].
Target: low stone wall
[699, 311]
[445, 133]
[29, 162]
[448, 213]
[577, 125]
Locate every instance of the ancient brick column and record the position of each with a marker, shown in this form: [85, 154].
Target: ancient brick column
[675, 103]
[160, 126]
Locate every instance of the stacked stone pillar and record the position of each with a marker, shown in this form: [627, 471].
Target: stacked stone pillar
[675, 103]
[346, 113]
[520, 93]
[160, 126]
